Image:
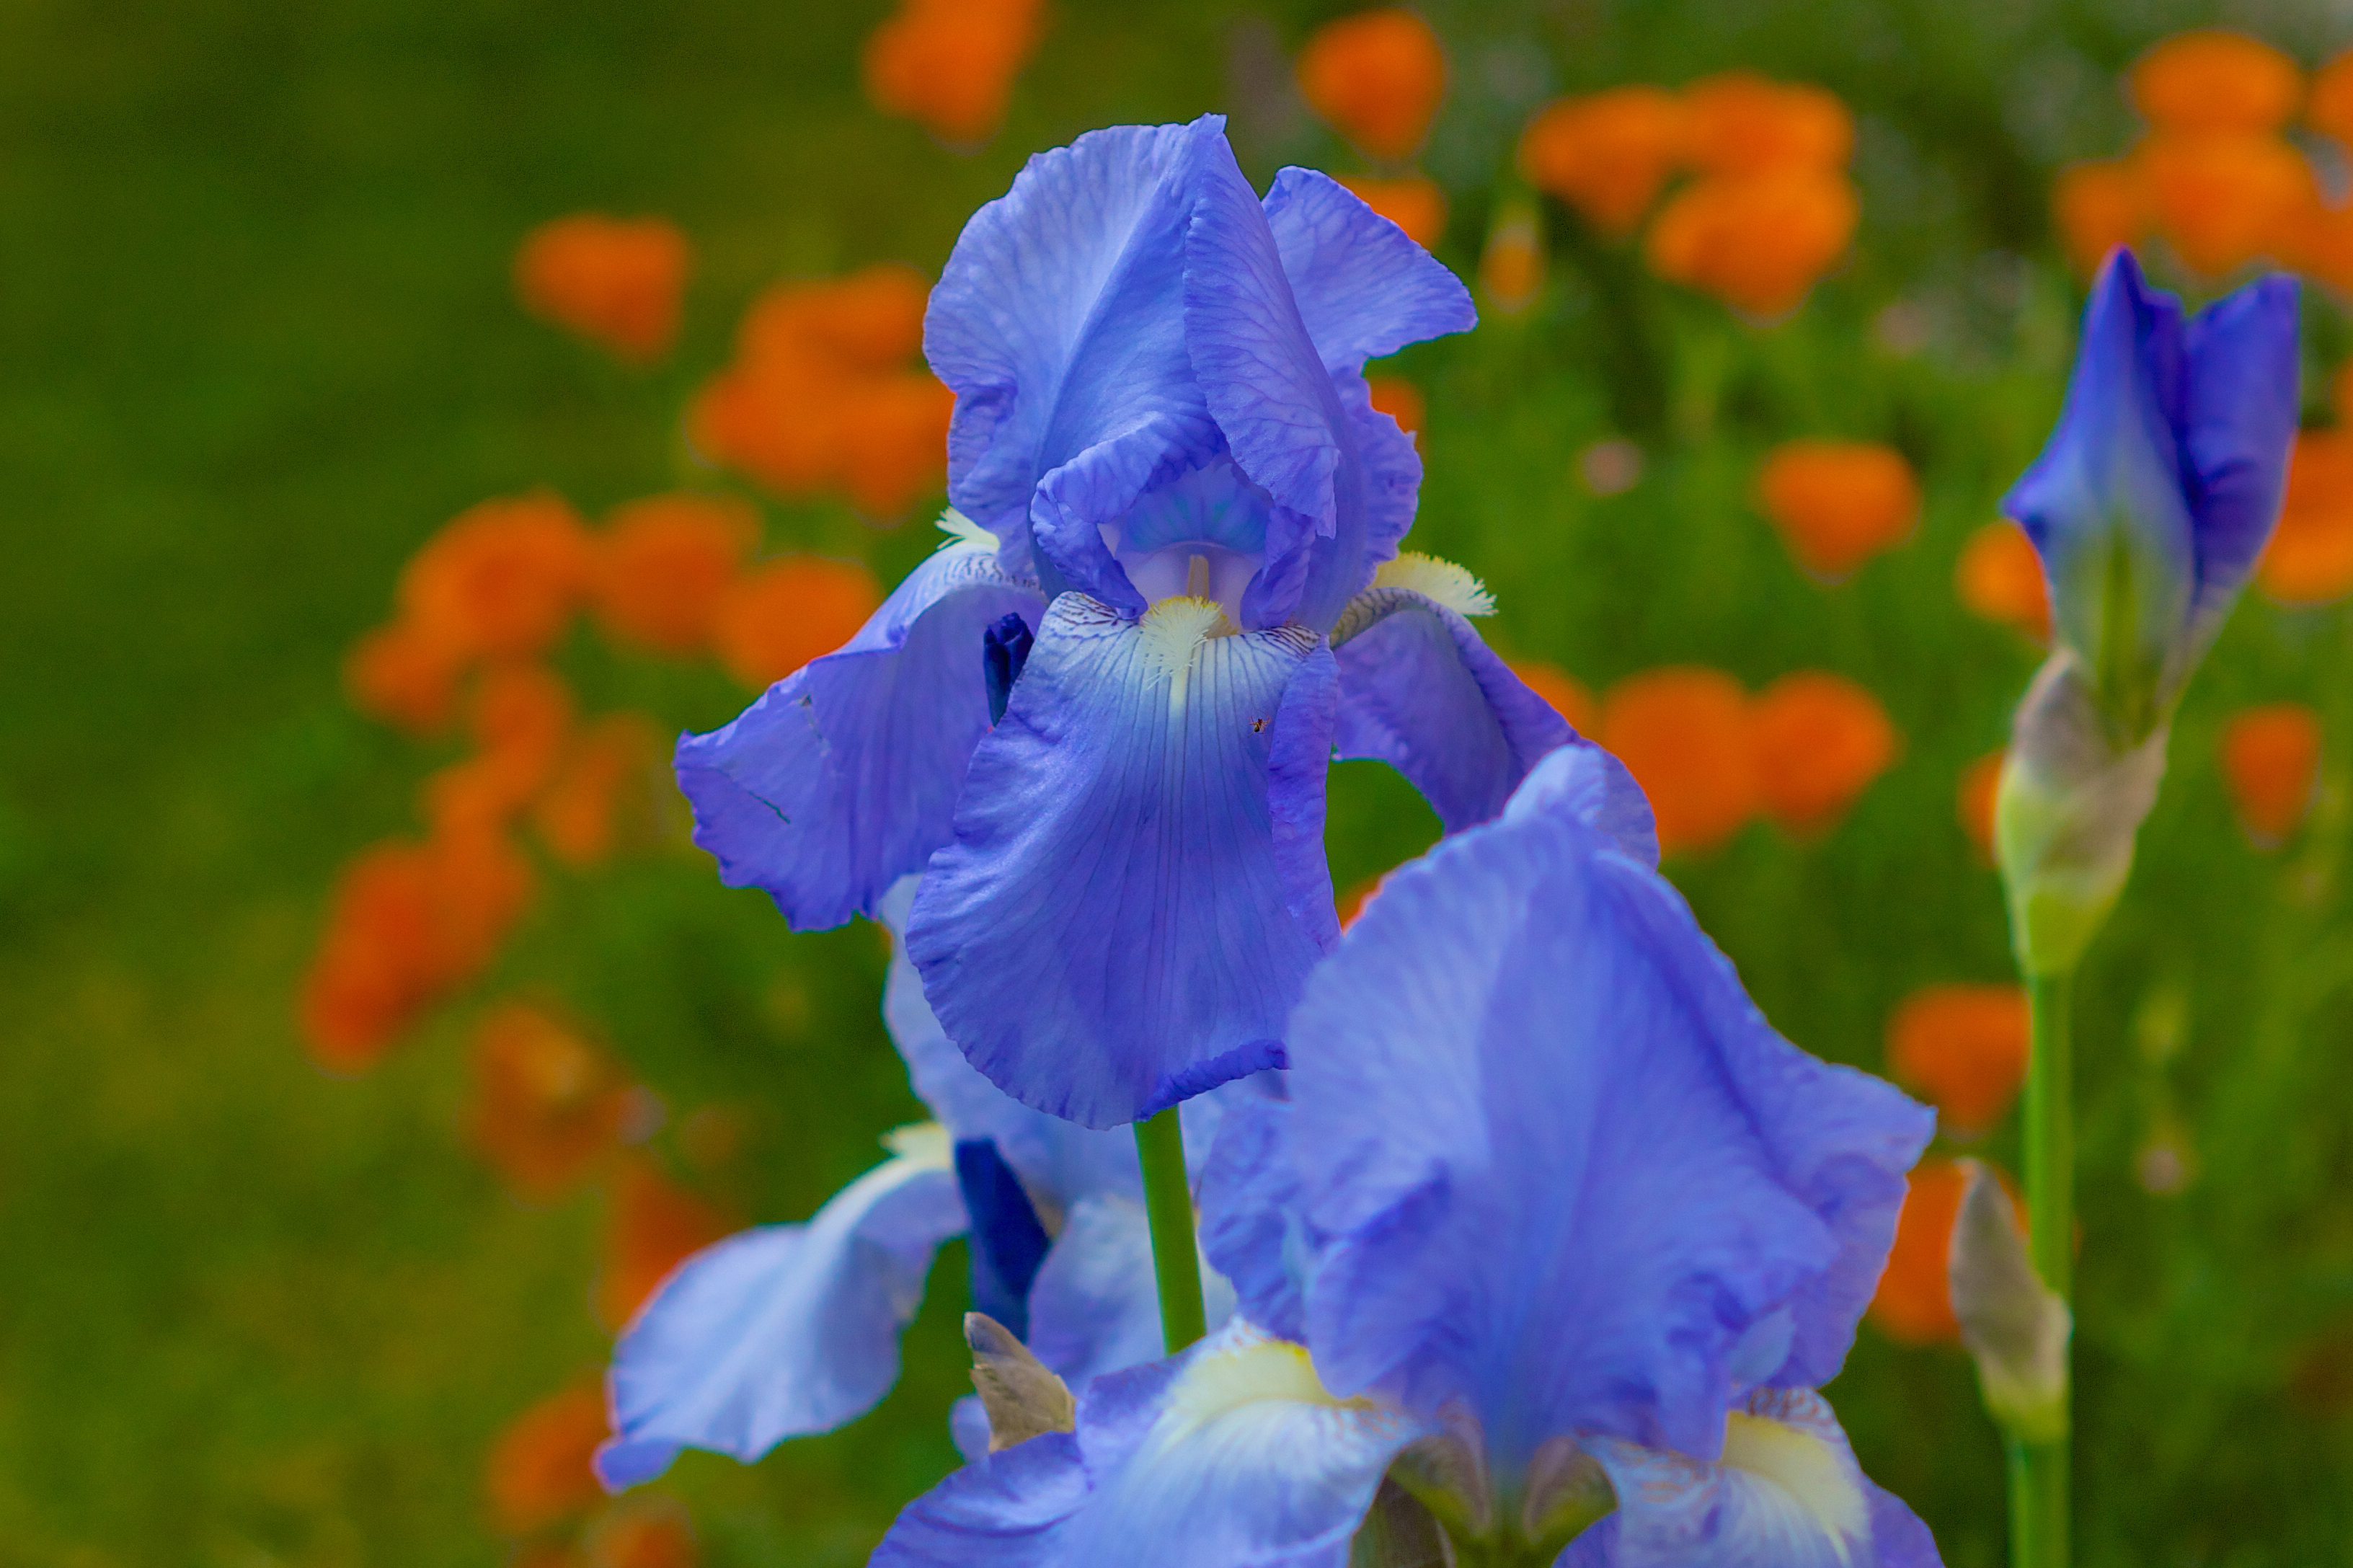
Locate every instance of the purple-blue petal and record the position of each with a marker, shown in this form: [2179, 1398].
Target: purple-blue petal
[1111, 932]
[2240, 418]
[843, 776]
[782, 1331]
[1365, 289]
[1420, 691]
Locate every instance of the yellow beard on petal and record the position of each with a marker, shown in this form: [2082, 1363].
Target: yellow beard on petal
[1173, 628]
[1803, 1468]
[1441, 581]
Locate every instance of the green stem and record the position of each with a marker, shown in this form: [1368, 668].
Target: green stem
[2039, 1471]
[1169, 1203]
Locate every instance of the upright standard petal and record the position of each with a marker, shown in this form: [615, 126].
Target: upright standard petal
[1785, 1493]
[1365, 289]
[2239, 421]
[1112, 930]
[1232, 1453]
[784, 1330]
[1058, 323]
[1420, 691]
[843, 777]
[1553, 1166]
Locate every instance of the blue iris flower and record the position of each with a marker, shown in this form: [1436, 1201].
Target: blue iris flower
[789, 1329]
[2158, 489]
[1550, 1216]
[2149, 509]
[1165, 470]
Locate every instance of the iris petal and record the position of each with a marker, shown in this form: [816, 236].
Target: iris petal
[1233, 1453]
[1364, 289]
[1112, 930]
[1420, 691]
[2240, 417]
[1094, 1307]
[784, 1330]
[1527, 1037]
[843, 777]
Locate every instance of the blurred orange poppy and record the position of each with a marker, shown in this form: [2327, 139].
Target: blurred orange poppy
[1999, 577]
[822, 394]
[1401, 399]
[537, 1471]
[949, 65]
[2310, 558]
[500, 580]
[581, 812]
[1683, 733]
[520, 720]
[398, 674]
[1914, 1304]
[1963, 1048]
[1377, 79]
[1819, 741]
[662, 565]
[1511, 268]
[654, 1226]
[2224, 198]
[617, 281]
[2328, 109]
[548, 1104]
[642, 1537]
[1413, 203]
[378, 963]
[1741, 124]
[1568, 695]
[1351, 903]
[1838, 503]
[2271, 761]
[789, 612]
[2099, 206]
[1606, 156]
[1973, 801]
[1758, 242]
[2213, 80]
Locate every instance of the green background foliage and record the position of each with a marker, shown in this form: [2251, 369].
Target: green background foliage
[256, 340]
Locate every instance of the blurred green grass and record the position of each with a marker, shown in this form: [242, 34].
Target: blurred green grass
[256, 340]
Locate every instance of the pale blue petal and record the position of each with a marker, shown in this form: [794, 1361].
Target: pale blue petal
[1232, 1454]
[1251, 1228]
[1112, 930]
[1787, 1495]
[1586, 783]
[1552, 1163]
[1095, 1306]
[1420, 691]
[782, 1331]
[1392, 469]
[1365, 291]
[843, 776]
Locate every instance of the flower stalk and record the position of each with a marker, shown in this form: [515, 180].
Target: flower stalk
[1168, 1204]
[2038, 1471]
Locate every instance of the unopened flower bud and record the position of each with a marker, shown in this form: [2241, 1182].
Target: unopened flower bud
[2014, 1325]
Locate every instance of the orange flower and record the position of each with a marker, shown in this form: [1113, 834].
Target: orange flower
[1401, 399]
[789, 612]
[537, 1472]
[481, 887]
[662, 565]
[1511, 268]
[1914, 1301]
[575, 814]
[1838, 503]
[1568, 695]
[655, 1226]
[398, 674]
[1683, 733]
[2210, 79]
[2224, 198]
[1973, 801]
[1999, 577]
[378, 959]
[1819, 741]
[1606, 156]
[2329, 109]
[548, 1104]
[1414, 203]
[949, 65]
[1351, 903]
[1756, 242]
[1740, 123]
[2099, 206]
[500, 580]
[821, 395]
[2310, 558]
[521, 719]
[642, 1536]
[2271, 760]
[1963, 1049]
[1377, 79]
[614, 281]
